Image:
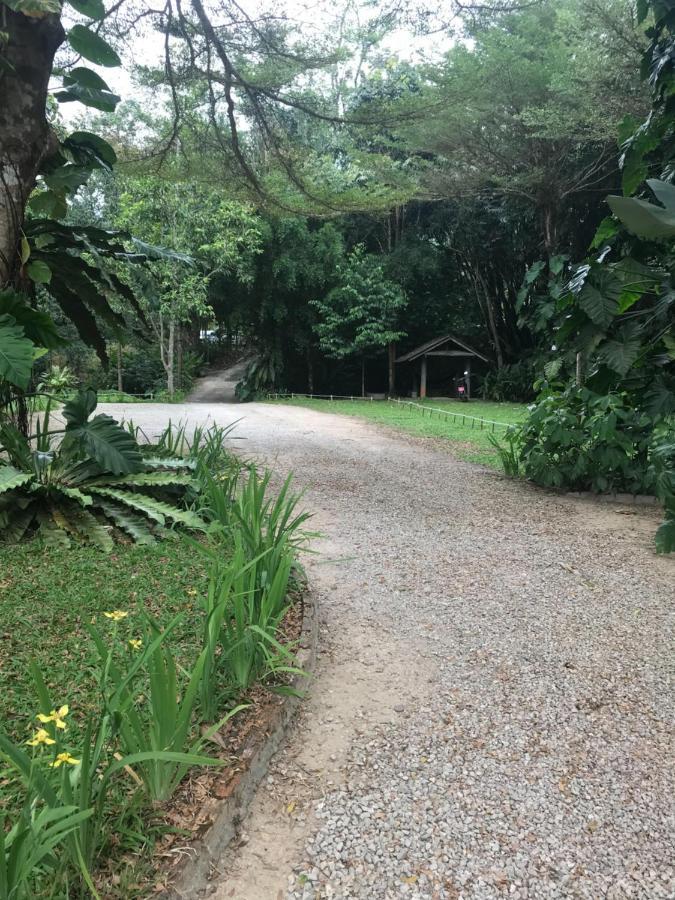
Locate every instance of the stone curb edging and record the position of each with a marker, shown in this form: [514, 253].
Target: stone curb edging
[194, 877]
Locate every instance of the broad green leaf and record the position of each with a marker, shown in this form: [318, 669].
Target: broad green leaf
[606, 230]
[38, 326]
[18, 525]
[669, 341]
[88, 146]
[92, 46]
[49, 203]
[87, 78]
[11, 478]
[78, 409]
[39, 272]
[16, 353]
[664, 193]
[598, 305]
[52, 535]
[113, 448]
[94, 9]
[25, 250]
[152, 251]
[67, 178]
[642, 218]
[167, 462]
[620, 355]
[105, 101]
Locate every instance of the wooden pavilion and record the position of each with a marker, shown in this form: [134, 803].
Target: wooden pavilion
[449, 346]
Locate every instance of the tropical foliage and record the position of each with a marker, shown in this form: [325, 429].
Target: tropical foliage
[78, 481]
[606, 414]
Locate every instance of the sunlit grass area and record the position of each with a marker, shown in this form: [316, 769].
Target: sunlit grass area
[452, 421]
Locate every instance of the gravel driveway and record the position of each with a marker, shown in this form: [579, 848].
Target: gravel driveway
[493, 709]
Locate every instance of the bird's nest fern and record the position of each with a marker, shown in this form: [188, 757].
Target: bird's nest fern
[87, 478]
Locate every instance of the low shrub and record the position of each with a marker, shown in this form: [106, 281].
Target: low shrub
[582, 441]
[513, 383]
[577, 440]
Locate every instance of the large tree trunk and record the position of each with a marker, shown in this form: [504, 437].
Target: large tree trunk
[25, 137]
[391, 350]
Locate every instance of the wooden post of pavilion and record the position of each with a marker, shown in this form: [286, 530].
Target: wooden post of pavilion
[423, 378]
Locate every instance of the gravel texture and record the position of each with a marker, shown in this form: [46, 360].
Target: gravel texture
[494, 717]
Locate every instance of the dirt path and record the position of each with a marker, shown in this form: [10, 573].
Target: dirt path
[492, 712]
[218, 386]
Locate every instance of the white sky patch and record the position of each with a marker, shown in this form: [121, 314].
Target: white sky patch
[312, 19]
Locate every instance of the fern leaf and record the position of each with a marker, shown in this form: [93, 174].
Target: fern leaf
[74, 494]
[91, 529]
[52, 536]
[17, 526]
[135, 526]
[169, 462]
[11, 478]
[154, 509]
[149, 479]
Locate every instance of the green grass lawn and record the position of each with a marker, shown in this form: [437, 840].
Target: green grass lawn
[48, 597]
[465, 437]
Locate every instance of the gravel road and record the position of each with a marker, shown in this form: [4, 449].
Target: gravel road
[492, 714]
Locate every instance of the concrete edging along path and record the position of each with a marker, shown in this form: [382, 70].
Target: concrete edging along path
[195, 875]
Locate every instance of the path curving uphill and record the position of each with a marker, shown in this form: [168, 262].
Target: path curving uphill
[218, 385]
[493, 707]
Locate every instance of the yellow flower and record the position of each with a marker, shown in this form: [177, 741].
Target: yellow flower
[40, 737]
[64, 758]
[116, 615]
[191, 592]
[135, 643]
[56, 716]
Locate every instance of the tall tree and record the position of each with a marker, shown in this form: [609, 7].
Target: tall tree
[359, 316]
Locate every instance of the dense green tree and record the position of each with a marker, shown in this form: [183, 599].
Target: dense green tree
[216, 236]
[360, 315]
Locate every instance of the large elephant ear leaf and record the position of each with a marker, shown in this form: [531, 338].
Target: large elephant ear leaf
[76, 412]
[642, 218]
[113, 448]
[16, 353]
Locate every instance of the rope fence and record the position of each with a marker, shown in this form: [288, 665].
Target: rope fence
[449, 414]
[446, 414]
